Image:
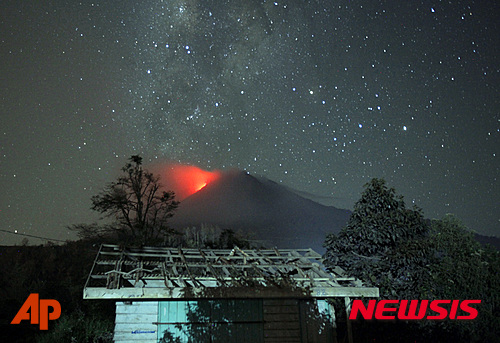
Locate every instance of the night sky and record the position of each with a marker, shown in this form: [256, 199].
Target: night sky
[321, 96]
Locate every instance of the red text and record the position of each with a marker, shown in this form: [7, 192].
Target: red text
[39, 313]
[414, 309]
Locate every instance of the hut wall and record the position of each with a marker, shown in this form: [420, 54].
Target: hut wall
[134, 321]
[224, 320]
[281, 321]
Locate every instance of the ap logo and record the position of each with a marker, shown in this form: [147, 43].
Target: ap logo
[39, 313]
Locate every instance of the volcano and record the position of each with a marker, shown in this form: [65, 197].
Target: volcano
[266, 211]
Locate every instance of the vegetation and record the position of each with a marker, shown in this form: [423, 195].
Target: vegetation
[383, 243]
[55, 272]
[392, 247]
[80, 327]
[138, 205]
[208, 236]
[463, 269]
[60, 272]
[140, 211]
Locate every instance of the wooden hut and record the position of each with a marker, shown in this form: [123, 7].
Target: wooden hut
[214, 295]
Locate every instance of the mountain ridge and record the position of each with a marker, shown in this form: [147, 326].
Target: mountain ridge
[258, 206]
[266, 211]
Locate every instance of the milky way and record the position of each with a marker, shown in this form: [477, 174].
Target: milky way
[320, 96]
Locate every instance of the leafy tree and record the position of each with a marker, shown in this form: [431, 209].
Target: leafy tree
[464, 269]
[461, 267]
[391, 247]
[384, 243]
[137, 204]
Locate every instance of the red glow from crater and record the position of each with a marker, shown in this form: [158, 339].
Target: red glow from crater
[186, 180]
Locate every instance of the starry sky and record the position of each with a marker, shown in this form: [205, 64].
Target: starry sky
[320, 96]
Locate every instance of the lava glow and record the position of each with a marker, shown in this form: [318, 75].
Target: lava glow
[186, 180]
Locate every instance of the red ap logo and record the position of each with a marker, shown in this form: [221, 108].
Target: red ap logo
[39, 313]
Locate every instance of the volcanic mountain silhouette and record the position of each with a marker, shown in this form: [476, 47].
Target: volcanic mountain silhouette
[265, 210]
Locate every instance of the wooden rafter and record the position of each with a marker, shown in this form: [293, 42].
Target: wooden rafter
[171, 272]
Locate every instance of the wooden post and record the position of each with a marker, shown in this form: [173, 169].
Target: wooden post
[348, 322]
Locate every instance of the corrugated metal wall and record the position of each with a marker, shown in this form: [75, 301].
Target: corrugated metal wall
[134, 321]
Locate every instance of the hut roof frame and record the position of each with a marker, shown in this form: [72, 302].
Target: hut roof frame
[183, 273]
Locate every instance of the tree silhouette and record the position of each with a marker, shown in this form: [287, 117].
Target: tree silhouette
[137, 204]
